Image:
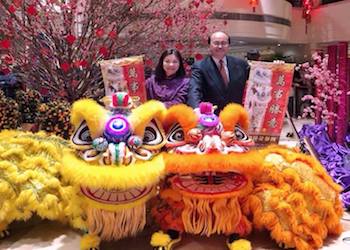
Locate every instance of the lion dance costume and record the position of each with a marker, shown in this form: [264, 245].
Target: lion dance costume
[216, 185]
[100, 183]
[215, 182]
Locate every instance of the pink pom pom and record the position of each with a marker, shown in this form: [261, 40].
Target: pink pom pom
[206, 108]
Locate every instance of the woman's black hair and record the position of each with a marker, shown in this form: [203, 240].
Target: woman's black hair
[160, 72]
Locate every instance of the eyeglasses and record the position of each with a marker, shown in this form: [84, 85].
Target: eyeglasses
[217, 43]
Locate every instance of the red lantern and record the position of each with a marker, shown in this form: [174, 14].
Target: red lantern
[307, 7]
[254, 4]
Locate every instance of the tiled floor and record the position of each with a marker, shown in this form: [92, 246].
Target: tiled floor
[45, 235]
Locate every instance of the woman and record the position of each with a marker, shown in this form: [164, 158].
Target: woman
[168, 84]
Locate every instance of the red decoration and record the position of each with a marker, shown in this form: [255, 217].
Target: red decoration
[70, 39]
[32, 11]
[81, 63]
[12, 8]
[307, 7]
[149, 62]
[103, 51]
[65, 66]
[100, 32]
[179, 46]
[341, 119]
[168, 21]
[5, 44]
[112, 34]
[196, 3]
[254, 4]
[198, 56]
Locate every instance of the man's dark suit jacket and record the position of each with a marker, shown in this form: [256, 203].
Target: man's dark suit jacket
[207, 85]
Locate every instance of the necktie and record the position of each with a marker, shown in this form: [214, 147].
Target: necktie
[223, 72]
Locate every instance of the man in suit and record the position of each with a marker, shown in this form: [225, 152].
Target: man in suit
[219, 79]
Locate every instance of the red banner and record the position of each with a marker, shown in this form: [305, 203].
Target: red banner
[266, 99]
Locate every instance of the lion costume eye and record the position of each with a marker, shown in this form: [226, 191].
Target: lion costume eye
[153, 136]
[176, 134]
[240, 134]
[81, 137]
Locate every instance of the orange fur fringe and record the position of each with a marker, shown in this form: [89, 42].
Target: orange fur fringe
[116, 225]
[249, 163]
[234, 114]
[182, 114]
[211, 216]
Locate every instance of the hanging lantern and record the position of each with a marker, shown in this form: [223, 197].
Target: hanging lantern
[307, 7]
[254, 4]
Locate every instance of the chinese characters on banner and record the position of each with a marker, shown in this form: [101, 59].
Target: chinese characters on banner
[127, 75]
[266, 99]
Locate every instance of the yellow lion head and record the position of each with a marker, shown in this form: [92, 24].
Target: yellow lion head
[116, 162]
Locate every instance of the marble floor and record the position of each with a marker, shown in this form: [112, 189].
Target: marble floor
[46, 235]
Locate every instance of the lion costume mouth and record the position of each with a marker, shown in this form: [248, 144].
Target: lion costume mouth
[115, 196]
[210, 183]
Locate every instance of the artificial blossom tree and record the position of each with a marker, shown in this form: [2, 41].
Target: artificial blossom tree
[56, 44]
[326, 88]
